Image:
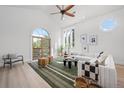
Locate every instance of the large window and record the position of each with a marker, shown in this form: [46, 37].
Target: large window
[108, 25]
[69, 39]
[40, 43]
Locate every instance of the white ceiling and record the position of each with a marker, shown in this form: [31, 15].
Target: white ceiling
[82, 11]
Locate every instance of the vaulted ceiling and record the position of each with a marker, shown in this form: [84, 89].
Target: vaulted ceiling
[81, 11]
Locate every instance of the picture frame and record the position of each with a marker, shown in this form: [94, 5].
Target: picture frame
[93, 39]
[83, 39]
[85, 48]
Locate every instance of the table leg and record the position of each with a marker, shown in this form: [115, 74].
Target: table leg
[75, 63]
[64, 62]
[10, 63]
[4, 65]
[69, 64]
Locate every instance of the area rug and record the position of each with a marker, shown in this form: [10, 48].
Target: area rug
[55, 76]
[60, 65]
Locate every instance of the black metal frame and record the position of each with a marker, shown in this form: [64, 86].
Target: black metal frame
[9, 60]
[70, 63]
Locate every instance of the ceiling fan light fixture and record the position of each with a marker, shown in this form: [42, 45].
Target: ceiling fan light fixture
[65, 11]
[74, 12]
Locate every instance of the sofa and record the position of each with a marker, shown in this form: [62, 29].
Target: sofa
[107, 72]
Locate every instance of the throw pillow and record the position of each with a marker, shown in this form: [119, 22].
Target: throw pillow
[101, 60]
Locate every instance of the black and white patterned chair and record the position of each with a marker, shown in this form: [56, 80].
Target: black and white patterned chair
[90, 70]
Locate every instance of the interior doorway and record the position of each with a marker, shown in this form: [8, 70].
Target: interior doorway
[40, 43]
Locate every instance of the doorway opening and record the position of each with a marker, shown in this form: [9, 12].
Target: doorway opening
[40, 43]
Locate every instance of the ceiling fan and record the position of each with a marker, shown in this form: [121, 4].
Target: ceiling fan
[64, 11]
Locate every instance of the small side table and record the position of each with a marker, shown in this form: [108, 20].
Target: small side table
[50, 59]
[43, 61]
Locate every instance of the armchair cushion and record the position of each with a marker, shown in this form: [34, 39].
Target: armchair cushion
[12, 56]
[5, 56]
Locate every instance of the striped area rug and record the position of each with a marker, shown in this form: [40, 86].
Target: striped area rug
[54, 76]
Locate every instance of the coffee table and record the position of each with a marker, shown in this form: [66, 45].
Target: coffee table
[69, 61]
[43, 61]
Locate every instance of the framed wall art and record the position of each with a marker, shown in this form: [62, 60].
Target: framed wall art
[85, 48]
[93, 39]
[83, 39]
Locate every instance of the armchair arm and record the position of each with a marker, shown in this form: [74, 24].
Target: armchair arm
[7, 60]
[20, 57]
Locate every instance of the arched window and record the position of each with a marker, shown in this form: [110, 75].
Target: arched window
[39, 32]
[40, 43]
[108, 25]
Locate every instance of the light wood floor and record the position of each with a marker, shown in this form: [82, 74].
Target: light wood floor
[120, 75]
[23, 76]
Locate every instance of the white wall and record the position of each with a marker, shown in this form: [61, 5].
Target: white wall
[112, 42]
[16, 26]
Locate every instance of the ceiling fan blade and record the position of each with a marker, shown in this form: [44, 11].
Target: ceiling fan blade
[58, 7]
[69, 14]
[68, 7]
[55, 13]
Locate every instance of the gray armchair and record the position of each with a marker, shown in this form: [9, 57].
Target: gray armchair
[12, 58]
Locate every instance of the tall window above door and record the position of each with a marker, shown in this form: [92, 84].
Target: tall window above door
[69, 39]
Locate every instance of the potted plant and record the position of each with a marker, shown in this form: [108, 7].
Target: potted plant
[60, 50]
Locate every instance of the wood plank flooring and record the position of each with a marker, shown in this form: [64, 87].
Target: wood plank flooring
[120, 75]
[23, 76]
